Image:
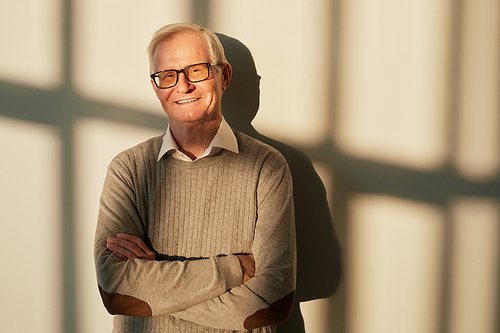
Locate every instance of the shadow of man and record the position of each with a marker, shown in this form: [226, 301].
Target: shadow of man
[319, 265]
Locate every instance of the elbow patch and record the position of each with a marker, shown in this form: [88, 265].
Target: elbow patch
[275, 314]
[125, 305]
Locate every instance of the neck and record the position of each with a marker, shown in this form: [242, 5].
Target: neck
[194, 139]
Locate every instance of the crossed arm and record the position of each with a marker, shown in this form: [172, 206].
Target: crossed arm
[235, 292]
[125, 247]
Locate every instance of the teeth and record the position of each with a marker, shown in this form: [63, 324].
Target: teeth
[187, 101]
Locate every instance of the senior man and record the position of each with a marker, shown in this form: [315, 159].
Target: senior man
[196, 229]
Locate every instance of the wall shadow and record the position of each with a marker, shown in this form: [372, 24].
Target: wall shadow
[319, 263]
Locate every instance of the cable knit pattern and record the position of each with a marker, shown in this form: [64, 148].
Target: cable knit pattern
[196, 216]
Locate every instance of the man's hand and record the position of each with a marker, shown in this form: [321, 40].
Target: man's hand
[247, 263]
[126, 247]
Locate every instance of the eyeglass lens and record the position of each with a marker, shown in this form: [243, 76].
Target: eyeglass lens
[193, 73]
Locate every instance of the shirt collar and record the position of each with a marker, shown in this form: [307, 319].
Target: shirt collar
[223, 139]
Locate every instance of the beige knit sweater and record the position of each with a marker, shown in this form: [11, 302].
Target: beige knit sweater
[196, 216]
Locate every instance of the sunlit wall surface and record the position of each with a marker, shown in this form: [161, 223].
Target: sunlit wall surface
[110, 59]
[31, 42]
[474, 291]
[31, 38]
[396, 102]
[393, 91]
[296, 73]
[30, 242]
[395, 267]
[479, 103]
[96, 143]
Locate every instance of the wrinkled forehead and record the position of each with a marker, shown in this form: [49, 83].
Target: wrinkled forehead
[182, 49]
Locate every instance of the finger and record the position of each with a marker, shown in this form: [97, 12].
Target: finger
[121, 245]
[115, 248]
[137, 241]
[127, 247]
[126, 244]
[119, 256]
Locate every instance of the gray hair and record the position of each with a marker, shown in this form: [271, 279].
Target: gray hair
[168, 31]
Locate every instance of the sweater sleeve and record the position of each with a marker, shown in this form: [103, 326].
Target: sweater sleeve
[143, 288]
[267, 298]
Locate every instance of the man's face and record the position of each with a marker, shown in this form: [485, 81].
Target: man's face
[188, 102]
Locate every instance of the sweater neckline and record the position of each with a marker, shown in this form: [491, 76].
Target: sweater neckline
[207, 161]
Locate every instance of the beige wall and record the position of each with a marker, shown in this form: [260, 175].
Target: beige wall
[396, 102]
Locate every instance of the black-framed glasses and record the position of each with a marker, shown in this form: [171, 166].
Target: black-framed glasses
[193, 73]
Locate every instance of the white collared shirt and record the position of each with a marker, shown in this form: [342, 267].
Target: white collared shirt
[223, 139]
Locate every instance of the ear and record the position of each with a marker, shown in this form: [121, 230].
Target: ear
[226, 76]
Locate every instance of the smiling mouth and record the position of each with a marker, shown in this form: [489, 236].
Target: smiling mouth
[187, 101]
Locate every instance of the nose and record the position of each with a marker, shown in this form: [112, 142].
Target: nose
[183, 85]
